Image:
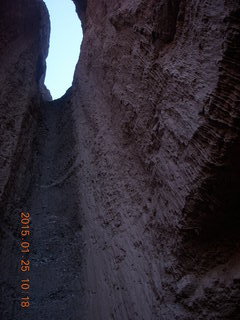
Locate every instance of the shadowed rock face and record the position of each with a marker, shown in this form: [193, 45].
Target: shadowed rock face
[135, 171]
[24, 34]
[157, 89]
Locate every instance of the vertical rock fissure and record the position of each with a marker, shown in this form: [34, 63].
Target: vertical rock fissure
[125, 176]
[42, 181]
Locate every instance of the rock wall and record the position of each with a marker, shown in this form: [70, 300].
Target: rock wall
[24, 37]
[156, 108]
[133, 177]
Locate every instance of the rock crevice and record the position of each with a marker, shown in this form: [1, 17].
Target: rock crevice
[132, 178]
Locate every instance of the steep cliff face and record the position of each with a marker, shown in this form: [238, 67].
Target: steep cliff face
[156, 108]
[133, 177]
[24, 34]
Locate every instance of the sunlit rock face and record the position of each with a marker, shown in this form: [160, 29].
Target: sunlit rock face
[133, 177]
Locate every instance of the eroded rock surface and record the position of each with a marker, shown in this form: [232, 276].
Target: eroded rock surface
[133, 177]
[157, 92]
[24, 34]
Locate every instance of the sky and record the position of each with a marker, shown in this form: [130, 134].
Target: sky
[65, 41]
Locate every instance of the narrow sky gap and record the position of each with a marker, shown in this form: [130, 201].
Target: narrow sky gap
[65, 41]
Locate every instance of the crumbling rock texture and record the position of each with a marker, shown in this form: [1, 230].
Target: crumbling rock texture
[135, 171]
[157, 92]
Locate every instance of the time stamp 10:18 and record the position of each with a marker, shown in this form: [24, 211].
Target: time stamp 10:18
[25, 262]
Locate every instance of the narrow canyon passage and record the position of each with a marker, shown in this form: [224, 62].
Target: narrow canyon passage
[132, 178]
[55, 241]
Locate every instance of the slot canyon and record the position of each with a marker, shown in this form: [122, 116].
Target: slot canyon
[132, 178]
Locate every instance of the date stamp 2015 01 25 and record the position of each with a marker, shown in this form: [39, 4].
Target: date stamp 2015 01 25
[25, 266]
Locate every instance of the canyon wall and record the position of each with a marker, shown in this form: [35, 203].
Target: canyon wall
[156, 108]
[132, 178]
[24, 32]
[24, 40]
